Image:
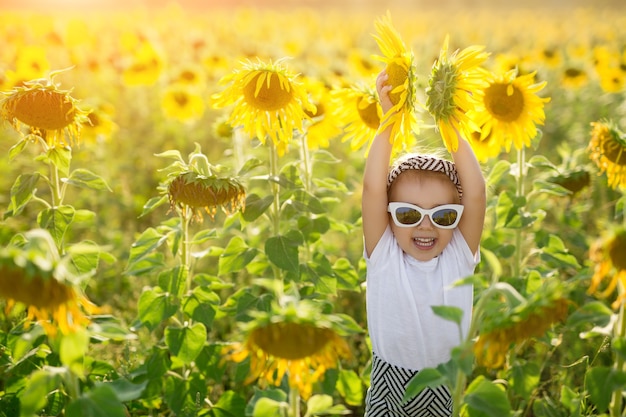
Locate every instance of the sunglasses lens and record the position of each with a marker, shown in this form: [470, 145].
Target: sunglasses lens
[445, 217]
[407, 215]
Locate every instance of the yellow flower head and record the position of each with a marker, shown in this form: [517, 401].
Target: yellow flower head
[145, 66]
[358, 110]
[180, 102]
[402, 78]
[49, 112]
[32, 273]
[510, 109]
[610, 265]
[100, 124]
[454, 87]
[195, 186]
[268, 101]
[294, 339]
[324, 124]
[607, 149]
[515, 319]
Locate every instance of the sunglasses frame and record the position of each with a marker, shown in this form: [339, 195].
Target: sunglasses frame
[393, 206]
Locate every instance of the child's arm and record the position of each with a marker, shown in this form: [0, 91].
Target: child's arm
[474, 194]
[374, 200]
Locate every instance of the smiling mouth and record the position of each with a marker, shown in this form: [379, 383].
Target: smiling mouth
[424, 242]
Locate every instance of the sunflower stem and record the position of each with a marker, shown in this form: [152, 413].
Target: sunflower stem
[521, 165]
[294, 402]
[185, 218]
[615, 407]
[275, 186]
[306, 161]
[54, 186]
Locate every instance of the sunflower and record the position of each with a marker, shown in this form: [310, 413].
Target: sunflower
[358, 110]
[610, 265]
[32, 273]
[100, 124]
[510, 109]
[402, 78]
[145, 66]
[607, 149]
[485, 148]
[324, 123]
[295, 338]
[454, 87]
[49, 112]
[182, 103]
[197, 192]
[197, 186]
[612, 78]
[574, 78]
[268, 101]
[531, 318]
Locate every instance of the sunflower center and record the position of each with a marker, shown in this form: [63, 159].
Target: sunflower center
[397, 77]
[504, 101]
[614, 148]
[368, 112]
[617, 249]
[44, 109]
[181, 98]
[271, 95]
[291, 341]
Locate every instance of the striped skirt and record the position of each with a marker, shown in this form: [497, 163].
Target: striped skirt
[387, 387]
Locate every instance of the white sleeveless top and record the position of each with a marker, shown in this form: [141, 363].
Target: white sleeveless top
[403, 329]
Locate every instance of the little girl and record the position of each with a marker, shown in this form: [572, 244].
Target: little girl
[422, 225]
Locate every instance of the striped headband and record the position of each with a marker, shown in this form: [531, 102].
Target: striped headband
[427, 163]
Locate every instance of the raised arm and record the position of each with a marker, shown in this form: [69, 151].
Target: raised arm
[474, 194]
[374, 199]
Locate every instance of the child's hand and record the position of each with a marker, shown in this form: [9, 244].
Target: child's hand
[383, 90]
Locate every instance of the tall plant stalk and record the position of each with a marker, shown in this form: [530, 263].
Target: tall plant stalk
[519, 192]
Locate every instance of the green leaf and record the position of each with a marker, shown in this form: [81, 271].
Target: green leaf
[266, 407]
[236, 256]
[524, 378]
[509, 212]
[319, 272]
[483, 398]
[18, 148]
[283, 252]
[186, 342]
[453, 314]
[155, 306]
[22, 191]
[551, 188]
[230, 404]
[275, 394]
[202, 305]
[600, 382]
[61, 158]
[249, 165]
[57, 221]
[152, 204]
[149, 240]
[101, 401]
[73, 348]
[38, 386]
[126, 390]
[350, 387]
[308, 203]
[427, 377]
[174, 280]
[346, 273]
[256, 206]
[593, 312]
[497, 172]
[313, 227]
[83, 178]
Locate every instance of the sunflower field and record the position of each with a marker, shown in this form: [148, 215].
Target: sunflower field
[180, 220]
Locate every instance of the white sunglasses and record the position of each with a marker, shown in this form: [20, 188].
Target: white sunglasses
[446, 216]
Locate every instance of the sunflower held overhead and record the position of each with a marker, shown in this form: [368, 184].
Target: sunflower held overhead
[403, 79]
[454, 87]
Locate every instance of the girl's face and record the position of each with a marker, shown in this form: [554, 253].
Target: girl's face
[424, 241]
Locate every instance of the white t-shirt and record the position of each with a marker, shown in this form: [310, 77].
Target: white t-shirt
[404, 330]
